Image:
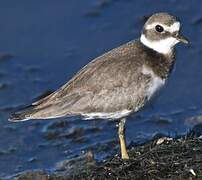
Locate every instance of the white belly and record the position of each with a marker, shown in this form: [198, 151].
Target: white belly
[109, 115]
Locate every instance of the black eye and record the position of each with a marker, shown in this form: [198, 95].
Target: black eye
[159, 28]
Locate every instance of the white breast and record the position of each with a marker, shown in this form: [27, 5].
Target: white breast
[155, 84]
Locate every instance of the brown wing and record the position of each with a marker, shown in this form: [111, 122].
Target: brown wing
[96, 87]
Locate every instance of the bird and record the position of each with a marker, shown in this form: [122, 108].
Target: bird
[119, 82]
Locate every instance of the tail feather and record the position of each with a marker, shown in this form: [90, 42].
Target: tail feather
[44, 109]
[22, 115]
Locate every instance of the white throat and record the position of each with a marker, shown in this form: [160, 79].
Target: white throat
[164, 46]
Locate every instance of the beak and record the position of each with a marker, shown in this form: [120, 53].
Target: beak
[182, 39]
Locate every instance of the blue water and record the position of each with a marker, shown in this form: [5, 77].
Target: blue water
[43, 43]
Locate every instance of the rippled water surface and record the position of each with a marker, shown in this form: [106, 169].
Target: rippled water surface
[43, 43]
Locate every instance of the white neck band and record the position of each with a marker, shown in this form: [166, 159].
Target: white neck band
[164, 46]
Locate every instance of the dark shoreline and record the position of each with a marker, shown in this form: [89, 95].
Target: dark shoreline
[161, 158]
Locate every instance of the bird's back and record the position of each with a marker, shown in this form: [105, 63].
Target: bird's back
[110, 86]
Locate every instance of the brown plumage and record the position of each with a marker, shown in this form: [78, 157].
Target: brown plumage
[109, 84]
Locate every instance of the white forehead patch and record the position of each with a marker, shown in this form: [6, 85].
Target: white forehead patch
[174, 27]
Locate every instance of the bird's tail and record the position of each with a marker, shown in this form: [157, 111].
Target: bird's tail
[23, 114]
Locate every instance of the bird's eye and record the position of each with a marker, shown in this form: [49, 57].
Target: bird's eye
[159, 28]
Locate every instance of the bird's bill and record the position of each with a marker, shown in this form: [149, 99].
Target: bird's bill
[181, 39]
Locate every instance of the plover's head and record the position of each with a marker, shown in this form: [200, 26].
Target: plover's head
[161, 33]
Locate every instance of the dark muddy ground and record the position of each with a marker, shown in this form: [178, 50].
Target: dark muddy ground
[161, 158]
